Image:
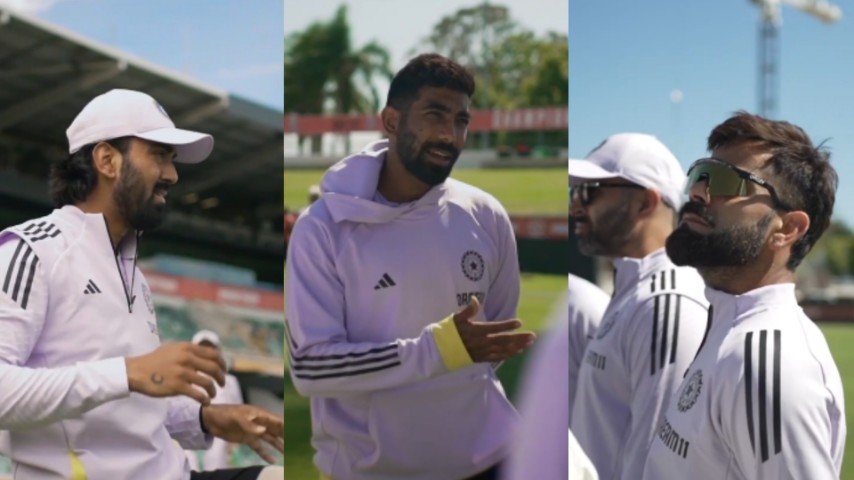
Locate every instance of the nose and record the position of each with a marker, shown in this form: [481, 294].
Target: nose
[169, 173]
[447, 134]
[699, 191]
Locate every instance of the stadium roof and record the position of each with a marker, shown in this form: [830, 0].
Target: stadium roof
[47, 74]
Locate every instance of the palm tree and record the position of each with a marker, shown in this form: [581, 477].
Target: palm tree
[323, 74]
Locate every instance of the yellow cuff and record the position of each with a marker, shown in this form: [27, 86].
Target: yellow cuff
[450, 345]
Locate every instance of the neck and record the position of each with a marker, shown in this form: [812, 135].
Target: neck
[649, 238]
[117, 226]
[396, 183]
[764, 271]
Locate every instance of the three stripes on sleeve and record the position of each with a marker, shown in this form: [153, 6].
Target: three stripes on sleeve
[20, 272]
[317, 367]
[763, 347]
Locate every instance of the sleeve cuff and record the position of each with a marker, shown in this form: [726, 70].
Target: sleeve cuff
[113, 372]
[450, 345]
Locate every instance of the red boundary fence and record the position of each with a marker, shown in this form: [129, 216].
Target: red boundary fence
[520, 119]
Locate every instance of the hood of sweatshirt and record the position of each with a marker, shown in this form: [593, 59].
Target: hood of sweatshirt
[350, 186]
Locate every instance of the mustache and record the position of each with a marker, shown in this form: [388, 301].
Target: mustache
[698, 209]
[445, 147]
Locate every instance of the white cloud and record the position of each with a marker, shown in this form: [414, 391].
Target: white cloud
[251, 71]
[29, 6]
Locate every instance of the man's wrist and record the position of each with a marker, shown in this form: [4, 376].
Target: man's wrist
[202, 420]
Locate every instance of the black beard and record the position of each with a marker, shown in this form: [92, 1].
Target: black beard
[416, 162]
[735, 246]
[138, 210]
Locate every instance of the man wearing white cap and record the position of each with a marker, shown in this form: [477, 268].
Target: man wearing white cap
[623, 199]
[88, 391]
[219, 455]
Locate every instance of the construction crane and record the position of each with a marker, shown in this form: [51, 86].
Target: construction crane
[769, 43]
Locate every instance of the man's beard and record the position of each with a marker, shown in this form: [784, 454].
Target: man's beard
[735, 246]
[416, 162]
[609, 235]
[135, 204]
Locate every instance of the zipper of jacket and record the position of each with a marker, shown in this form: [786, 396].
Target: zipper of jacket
[128, 295]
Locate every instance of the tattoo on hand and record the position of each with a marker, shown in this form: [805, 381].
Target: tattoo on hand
[157, 378]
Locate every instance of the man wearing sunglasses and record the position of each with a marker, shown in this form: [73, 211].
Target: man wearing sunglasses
[763, 399]
[624, 198]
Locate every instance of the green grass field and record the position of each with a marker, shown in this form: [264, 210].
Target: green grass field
[840, 337]
[521, 191]
[539, 294]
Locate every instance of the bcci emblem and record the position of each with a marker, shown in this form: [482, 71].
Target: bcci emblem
[691, 391]
[161, 109]
[472, 264]
[146, 294]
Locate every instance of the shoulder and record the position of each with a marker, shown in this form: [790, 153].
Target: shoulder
[586, 297]
[315, 220]
[670, 279]
[780, 351]
[582, 286]
[42, 229]
[32, 238]
[471, 197]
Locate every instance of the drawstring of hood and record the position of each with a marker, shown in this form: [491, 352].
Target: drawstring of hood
[130, 298]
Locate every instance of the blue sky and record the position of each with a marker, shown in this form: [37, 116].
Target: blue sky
[230, 44]
[626, 57]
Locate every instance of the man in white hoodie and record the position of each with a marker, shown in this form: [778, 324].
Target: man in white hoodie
[87, 390]
[401, 386]
[763, 399]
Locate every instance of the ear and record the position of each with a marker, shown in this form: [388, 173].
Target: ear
[390, 117]
[794, 227]
[107, 159]
[650, 200]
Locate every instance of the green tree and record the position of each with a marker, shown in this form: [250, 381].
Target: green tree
[834, 250]
[514, 67]
[548, 86]
[325, 74]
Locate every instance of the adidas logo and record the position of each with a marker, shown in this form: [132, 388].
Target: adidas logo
[384, 282]
[91, 288]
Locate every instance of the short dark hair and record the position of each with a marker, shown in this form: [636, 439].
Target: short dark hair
[73, 178]
[427, 70]
[802, 174]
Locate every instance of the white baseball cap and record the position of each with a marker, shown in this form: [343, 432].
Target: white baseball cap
[206, 335]
[120, 113]
[639, 158]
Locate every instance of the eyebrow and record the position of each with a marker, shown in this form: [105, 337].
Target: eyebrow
[434, 105]
[160, 148]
